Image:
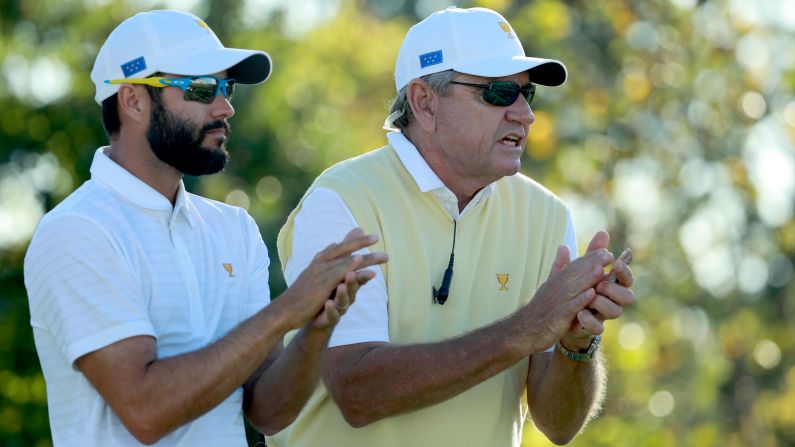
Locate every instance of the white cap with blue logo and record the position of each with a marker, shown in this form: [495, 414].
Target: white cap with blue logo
[476, 41]
[171, 42]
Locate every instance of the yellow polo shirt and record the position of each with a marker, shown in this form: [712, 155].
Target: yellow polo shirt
[504, 249]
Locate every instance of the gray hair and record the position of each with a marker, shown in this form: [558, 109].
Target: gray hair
[400, 114]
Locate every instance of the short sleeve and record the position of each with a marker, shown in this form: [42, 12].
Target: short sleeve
[324, 219]
[258, 294]
[81, 288]
[570, 239]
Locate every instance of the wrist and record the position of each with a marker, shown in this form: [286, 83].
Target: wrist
[311, 338]
[282, 314]
[580, 355]
[576, 344]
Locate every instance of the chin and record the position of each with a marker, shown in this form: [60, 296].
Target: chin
[509, 169]
[220, 148]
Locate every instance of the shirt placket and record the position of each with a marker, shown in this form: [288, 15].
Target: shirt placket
[186, 264]
[448, 201]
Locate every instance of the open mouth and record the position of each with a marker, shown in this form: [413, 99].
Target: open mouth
[511, 140]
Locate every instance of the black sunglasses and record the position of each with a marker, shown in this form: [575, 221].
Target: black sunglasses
[503, 93]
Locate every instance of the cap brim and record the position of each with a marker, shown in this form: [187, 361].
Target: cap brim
[245, 66]
[547, 72]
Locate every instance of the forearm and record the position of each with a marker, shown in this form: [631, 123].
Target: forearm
[279, 393]
[566, 394]
[175, 390]
[406, 378]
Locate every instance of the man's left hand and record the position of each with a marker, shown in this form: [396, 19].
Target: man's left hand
[609, 303]
[344, 295]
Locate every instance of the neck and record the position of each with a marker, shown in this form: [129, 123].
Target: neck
[137, 157]
[464, 187]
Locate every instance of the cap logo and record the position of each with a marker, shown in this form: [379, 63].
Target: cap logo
[507, 28]
[134, 66]
[201, 23]
[432, 58]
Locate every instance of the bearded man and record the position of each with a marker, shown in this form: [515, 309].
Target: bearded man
[149, 305]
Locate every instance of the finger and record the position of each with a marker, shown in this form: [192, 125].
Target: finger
[327, 274]
[606, 309]
[338, 268]
[617, 293]
[330, 313]
[622, 274]
[371, 259]
[577, 304]
[352, 285]
[346, 247]
[600, 240]
[341, 298]
[589, 322]
[353, 234]
[562, 259]
[362, 277]
[584, 272]
[325, 316]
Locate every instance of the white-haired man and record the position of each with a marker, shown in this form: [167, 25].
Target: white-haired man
[432, 358]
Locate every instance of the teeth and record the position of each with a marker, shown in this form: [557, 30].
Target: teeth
[512, 139]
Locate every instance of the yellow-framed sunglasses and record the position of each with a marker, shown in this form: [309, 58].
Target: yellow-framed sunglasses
[202, 89]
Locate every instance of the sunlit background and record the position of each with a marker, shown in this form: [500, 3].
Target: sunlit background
[675, 132]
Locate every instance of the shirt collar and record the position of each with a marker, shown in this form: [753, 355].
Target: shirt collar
[423, 175]
[134, 190]
[419, 169]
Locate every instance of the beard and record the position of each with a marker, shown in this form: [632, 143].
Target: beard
[176, 142]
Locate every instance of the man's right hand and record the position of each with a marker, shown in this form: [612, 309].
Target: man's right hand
[326, 288]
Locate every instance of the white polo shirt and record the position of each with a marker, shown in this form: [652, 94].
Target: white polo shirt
[116, 260]
[324, 218]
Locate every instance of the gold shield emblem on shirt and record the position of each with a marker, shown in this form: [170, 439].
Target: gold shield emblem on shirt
[229, 269]
[503, 278]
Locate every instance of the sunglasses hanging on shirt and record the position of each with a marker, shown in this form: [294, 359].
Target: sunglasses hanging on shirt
[440, 296]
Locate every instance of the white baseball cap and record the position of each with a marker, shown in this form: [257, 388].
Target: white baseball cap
[476, 41]
[171, 42]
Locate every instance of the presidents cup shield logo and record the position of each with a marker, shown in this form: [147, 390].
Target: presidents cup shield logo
[503, 278]
[229, 269]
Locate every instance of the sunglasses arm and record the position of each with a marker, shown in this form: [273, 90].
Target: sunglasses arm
[154, 82]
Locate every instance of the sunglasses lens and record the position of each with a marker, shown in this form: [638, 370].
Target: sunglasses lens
[529, 93]
[230, 88]
[501, 93]
[201, 90]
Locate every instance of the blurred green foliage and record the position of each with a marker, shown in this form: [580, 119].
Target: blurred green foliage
[675, 132]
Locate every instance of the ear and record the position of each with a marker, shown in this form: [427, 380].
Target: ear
[134, 104]
[424, 102]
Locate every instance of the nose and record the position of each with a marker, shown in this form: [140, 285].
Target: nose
[520, 112]
[222, 108]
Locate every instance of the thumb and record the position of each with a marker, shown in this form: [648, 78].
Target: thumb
[562, 259]
[600, 240]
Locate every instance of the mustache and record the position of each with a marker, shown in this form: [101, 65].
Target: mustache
[220, 124]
